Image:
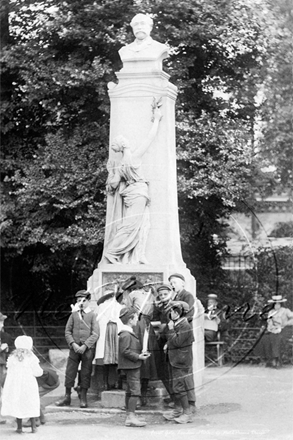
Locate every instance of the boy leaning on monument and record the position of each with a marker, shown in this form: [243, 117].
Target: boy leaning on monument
[179, 336]
[130, 360]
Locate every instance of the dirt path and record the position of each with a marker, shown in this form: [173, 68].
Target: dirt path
[242, 403]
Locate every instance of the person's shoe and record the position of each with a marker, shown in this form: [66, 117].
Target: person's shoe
[27, 424]
[83, 403]
[134, 421]
[66, 401]
[184, 418]
[172, 415]
[19, 431]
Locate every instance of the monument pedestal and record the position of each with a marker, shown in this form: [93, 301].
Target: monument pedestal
[141, 83]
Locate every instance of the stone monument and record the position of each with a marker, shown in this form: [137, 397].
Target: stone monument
[142, 235]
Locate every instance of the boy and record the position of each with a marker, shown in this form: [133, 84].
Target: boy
[81, 334]
[179, 335]
[130, 360]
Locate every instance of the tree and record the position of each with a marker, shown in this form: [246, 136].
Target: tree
[56, 63]
[275, 146]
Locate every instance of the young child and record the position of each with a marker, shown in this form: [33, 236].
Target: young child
[179, 335]
[130, 360]
[81, 333]
[21, 393]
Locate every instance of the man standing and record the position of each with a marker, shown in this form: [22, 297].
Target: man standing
[81, 334]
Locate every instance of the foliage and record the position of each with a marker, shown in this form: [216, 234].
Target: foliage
[276, 110]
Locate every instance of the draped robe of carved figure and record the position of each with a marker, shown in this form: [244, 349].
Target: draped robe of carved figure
[130, 221]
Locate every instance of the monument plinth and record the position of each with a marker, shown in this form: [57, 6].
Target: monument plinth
[142, 227]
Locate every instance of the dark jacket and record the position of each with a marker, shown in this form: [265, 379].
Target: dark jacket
[82, 331]
[49, 379]
[189, 299]
[179, 343]
[129, 350]
[5, 338]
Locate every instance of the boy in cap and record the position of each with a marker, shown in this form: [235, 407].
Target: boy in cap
[179, 335]
[81, 334]
[130, 360]
[177, 282]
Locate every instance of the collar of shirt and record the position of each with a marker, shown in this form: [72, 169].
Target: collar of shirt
[82, 311]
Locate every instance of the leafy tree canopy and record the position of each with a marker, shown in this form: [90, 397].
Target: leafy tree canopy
[56, 61]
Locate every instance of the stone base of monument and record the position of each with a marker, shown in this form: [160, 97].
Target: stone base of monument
[106, 277]
[113, 399]
[116, 398]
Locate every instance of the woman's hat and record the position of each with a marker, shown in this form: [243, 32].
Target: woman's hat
[2, 317]
[277, 299]
[213, 296]
[24, 342]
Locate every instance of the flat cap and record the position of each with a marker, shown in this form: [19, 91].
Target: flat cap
[176, 275]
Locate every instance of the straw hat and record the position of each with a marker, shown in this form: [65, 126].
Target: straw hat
[277, 299]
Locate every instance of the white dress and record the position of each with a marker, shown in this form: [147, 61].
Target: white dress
[20, 396]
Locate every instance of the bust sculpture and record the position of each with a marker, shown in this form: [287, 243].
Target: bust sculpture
[143, 48]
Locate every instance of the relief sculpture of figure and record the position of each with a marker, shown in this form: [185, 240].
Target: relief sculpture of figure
[129, 225]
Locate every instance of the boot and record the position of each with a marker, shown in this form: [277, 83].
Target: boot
[33, 425]
[42, 417]
[66, 401]
[192, 408]
[28, 423]
[134, 421]
[186, 417]
[77, 389]
[83, 401]
[19, 426]
[172, 415]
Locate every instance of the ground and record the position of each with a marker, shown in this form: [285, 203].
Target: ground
[240, 403]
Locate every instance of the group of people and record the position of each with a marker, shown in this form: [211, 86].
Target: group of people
[154, 340]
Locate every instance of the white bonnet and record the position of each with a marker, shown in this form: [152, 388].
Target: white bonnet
[24, 342]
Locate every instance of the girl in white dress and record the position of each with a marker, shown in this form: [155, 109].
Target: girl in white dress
[20, 397]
